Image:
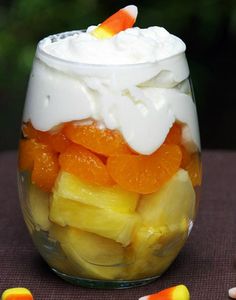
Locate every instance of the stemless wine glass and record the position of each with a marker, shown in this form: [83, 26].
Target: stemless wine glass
[109, 167]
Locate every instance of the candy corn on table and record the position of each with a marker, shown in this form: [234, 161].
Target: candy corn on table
[206, 265]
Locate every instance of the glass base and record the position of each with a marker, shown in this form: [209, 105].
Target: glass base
[104, 284]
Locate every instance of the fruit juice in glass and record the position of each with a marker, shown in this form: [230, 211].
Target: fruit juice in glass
[109, 159]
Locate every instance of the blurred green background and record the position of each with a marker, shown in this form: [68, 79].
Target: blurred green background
[207, 26]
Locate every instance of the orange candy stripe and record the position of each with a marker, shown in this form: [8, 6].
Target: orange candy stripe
[121, 20]
[86, 165]
[17, 293]
[163, 295]
[179, 292]
[145, 174]
[19, 297]
[102, 141]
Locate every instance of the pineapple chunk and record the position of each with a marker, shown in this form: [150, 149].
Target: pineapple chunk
[52, 253]
[107, 223]
[39, 207]
[154, 249]
[171, 204]
[92, 255]
[71, 187]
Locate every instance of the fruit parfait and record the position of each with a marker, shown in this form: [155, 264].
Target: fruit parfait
[109, 164]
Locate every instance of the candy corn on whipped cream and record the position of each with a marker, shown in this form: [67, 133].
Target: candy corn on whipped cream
[132, 81]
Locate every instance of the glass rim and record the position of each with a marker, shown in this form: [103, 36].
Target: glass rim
[40, 52]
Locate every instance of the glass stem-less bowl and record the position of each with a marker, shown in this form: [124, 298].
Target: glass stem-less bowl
[109, 167]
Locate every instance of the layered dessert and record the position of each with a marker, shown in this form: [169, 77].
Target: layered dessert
[109, 156]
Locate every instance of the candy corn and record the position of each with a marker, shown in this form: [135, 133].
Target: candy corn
[121, 20]
[17, 294]
[179, 292]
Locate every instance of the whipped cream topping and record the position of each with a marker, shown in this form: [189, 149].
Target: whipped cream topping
[141, 100]
[131, 46]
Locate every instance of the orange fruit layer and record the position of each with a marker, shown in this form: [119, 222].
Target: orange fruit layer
[186, 157]
[45, 170]
[41, 160]
[26, 154]
[86, 165]
[174, 135]
[103, 141]
[56, 140]
[145, 174]
[194, 169]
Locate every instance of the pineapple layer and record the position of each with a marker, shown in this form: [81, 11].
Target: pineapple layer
[173, 203]
[39, 207]
[92, 255]
[107, 223]
[71, 187]
[103, 235]
[154, 250]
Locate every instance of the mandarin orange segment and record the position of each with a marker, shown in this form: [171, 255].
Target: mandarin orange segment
[194, 169]
[174, 135]
[45, 169]
[41, 160]
[145, 174]
[86, 165]
[56, 140]
[30, 132]
[59, 142]
[186, 157]
[28, 150]
[103, 141]
[26, 155]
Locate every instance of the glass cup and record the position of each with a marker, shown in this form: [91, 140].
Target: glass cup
[109, 167]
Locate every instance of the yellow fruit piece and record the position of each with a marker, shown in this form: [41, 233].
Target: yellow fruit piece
[51, 252]
[115, 198]
[107, 223]
[154, 249]
[171, 238]
[92, 255]
[62, 264]
[174, 202]
[39, 207]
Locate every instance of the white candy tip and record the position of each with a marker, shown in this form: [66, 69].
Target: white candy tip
[143, 298]
[132, 10]
[232, 293]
